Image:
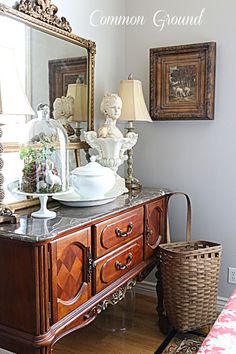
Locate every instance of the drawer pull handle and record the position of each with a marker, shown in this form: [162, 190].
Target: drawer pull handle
[148, 234]
[120, 266]
[119, 232]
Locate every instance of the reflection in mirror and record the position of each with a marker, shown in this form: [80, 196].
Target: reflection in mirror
[49, 69]
[57, 66]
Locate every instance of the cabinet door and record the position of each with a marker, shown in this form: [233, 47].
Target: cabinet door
[71, 272]
[155, 226]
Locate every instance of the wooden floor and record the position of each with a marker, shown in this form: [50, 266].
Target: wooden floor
[104, 335]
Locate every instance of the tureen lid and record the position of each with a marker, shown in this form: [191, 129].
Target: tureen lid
[93, 168]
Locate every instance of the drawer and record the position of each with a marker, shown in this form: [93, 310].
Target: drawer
[115, 232]
[112, 267]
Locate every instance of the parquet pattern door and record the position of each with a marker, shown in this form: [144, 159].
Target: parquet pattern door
[73, 285]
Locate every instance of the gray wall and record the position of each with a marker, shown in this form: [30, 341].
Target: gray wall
[196, 157]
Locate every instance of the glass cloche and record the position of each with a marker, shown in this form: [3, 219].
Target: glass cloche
[44, 153]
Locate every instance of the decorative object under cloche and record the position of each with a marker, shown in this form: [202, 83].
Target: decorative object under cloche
[44, 153]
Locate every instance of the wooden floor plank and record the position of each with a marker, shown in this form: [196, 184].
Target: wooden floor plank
[141, 337]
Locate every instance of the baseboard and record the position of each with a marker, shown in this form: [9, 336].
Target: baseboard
[146, 288]
[149, 289]
[221, 302]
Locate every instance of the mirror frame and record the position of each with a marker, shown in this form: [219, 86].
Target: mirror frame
[55, 31]
[48, 22]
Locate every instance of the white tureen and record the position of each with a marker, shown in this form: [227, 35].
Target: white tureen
[93, 180]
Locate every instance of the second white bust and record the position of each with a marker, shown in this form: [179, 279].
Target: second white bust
[111, 107]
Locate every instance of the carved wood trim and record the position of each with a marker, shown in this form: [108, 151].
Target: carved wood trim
[91, 91]
[203, 56]
[156, 244]
[75, 298]
[113, 299]
[44, 11]
[47, 28]
[148, 230]
[102, 236]
[42, 281]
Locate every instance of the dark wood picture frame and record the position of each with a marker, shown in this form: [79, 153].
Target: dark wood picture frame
[182, 82]
[63, 72]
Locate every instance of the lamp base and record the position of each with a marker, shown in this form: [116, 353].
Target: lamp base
[7, 216]
[77, 137]
[133, 184]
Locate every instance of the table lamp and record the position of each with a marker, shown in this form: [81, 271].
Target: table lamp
[133, 109]
[79, 92]
[13, 101]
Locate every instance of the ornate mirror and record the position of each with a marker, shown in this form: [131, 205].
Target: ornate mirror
[51, 61]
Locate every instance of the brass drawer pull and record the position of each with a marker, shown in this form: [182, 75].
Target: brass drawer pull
[120, 266]
[149, 233]
[119, 232]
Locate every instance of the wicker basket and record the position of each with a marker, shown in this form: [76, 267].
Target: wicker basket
[190, 275]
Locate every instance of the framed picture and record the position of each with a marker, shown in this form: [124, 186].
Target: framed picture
[63, 72]
[182, 82]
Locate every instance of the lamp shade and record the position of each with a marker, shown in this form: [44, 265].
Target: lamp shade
[80, 94]
[13, 100]
[133, 107]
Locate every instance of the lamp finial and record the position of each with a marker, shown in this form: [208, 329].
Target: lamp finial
[130, 77]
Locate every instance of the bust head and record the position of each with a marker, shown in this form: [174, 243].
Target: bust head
[111, 106]
[43, 111]
[63, 108]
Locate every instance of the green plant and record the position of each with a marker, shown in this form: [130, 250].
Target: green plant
[36, 157]
[39, 153]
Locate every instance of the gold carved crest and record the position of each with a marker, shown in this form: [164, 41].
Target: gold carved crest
[45, 11]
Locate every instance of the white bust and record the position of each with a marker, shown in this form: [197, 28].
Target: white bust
[63, 112]
[63, 109]
[111, 107]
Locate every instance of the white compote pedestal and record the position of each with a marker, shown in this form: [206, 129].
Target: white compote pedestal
[43, 212]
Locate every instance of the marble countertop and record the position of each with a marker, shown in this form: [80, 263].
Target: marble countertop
[37, 230]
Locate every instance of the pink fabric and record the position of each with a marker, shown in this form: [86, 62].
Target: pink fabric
[222, 337]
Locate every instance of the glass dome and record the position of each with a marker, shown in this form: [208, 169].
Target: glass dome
[44, 152]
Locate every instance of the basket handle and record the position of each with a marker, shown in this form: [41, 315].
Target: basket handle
[189, 216]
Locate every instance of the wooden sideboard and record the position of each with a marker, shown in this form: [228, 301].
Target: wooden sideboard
[58, 275]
